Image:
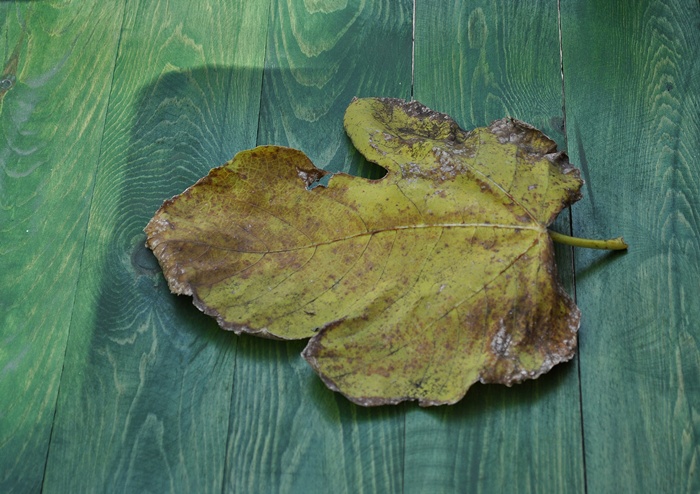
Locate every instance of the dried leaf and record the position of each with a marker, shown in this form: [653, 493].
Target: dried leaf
[411, 287]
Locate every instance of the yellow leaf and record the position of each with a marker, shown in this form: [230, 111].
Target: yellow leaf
[411, 287]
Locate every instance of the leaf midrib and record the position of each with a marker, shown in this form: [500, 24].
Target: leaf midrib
[314, 245]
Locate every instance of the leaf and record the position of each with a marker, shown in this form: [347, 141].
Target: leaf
[411, 287]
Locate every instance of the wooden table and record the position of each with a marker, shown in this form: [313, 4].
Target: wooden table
[108, 383]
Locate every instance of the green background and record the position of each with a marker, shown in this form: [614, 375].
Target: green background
[110, 384]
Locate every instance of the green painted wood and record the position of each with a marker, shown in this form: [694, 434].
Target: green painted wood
[480, 61]
[53, 98]
[633, 121]
[145, 398]
[320, 56]
[154, 397]
[289, 433]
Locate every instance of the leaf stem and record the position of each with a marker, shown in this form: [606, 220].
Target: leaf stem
[611, 244]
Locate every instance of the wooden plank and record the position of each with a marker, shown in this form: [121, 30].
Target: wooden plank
[289, 433]
[58, 61]
[480, 61]
[145, 400]
[318, 59]
[633, 104]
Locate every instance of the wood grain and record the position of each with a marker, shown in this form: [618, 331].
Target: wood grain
[480, 61]
[633, 120]
[53, 98]
[110, 383]
[321, 55]
[145, 400]
[289, 433]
